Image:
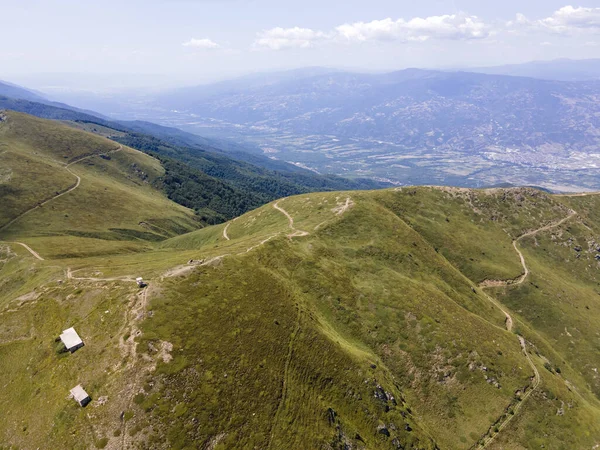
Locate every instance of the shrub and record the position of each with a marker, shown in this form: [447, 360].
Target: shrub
[101, 443]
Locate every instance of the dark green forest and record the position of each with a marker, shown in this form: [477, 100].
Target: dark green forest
[219, 188]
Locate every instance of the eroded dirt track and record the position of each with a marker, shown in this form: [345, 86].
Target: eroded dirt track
[30, 250]
[491, 434]
[295, 232]
[60, 194]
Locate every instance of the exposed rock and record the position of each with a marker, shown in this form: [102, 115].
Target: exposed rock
[331, 416]
[397, 444]
[382, 429]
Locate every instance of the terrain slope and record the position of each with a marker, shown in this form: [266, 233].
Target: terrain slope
[81, 192]
[407, 318]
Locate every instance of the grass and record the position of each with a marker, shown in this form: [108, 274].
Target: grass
[560, 298]
[474, 229]
[37, 379]
[287, 344]
[114, 209]
[368, 332]
[17, 191]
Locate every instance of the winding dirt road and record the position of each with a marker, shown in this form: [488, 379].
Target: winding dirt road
[45, 202]
[536, 382]
[521, 278]
[71, 277]
[225, 235]
[60, 194]
[30, 250]
[295, 232]
[490, 435]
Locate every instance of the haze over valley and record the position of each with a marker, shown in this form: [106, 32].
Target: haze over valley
[407, 127]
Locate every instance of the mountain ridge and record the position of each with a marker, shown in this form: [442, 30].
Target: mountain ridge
[359, 305]
[411, 127]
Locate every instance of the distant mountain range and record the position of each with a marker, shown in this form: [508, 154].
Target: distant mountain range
[412, 108]
[16, 92]
[412, 126]
[558, 69]
[12, 90]
[406, 127]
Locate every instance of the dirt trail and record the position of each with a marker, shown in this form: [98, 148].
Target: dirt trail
[135, 313]
[521, 278]
[71, 277]
[71, 189]
[517, 407]
[509, 321]
[60, 194]
[136, 365]
[295, 232]
[491, 435]
[263, 242]
[225, 235]
[30, 250]
[341, 209]
[284, 382]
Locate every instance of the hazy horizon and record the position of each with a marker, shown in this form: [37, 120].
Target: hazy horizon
[166, 43]
[147, 82]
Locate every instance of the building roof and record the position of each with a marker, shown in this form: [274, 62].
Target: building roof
[79, 394]
[139, 279]
[70, 338]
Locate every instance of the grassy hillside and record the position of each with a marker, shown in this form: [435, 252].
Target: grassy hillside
[82, 193]
[410, 318]
[386, 319]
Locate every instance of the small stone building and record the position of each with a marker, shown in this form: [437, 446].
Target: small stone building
[80, 396]
[71, 339]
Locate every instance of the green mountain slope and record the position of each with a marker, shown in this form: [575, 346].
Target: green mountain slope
[388, 319]
[410, 318]
[82, 193]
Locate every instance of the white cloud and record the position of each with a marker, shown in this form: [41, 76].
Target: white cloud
[285, 38]
[453, 27]
[464, 27]
[566, 20]
[520, 21]
[201, 43]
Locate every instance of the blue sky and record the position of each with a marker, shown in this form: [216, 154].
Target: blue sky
[189, 41]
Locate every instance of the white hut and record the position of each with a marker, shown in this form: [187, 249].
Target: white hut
[71, 339]
[140, 281]
[80, 396]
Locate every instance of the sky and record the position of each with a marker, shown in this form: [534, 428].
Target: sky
[111, 44]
